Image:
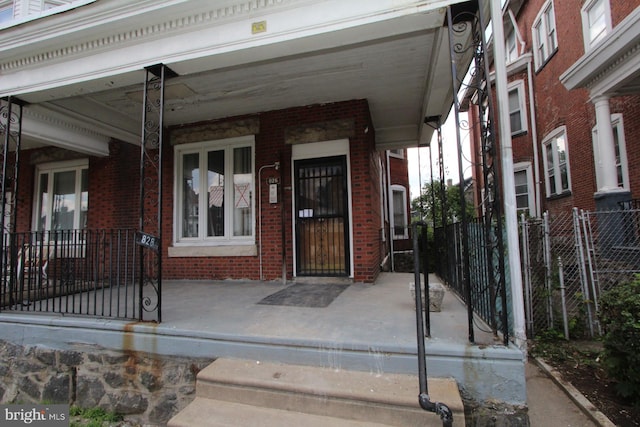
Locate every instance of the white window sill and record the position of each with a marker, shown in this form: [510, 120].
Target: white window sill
[212, 251]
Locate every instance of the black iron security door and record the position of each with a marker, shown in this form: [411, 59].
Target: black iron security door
[322, 217]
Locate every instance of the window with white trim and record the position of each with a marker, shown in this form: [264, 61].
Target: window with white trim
[622, 167]
[399, 207]
[596, 22]
[511, 46]
[523, 179]
[517, 112]
[545, 39]
[62, 195]
[6, 11]
[215, 192]
[556, 162]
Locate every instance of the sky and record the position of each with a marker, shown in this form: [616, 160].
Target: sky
[419, 168]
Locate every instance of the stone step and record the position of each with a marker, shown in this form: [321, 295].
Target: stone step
[217, 413]
[382, 398]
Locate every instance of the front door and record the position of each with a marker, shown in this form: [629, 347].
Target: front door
[322, 217]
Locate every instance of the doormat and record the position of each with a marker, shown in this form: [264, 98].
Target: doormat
[305, 295]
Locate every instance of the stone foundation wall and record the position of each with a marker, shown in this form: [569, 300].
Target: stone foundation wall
[144, 387]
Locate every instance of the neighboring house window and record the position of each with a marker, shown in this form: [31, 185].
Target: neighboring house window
[545, 41]
[524, 186]
[511, 46]
[556, 162]
[399, 206]
[596, 21]
[62, 196]
[215, 191]
[398, 152]
[622, 168]
[6, 11]
[517, 110]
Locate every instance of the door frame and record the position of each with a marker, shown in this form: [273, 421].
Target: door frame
[316, 150]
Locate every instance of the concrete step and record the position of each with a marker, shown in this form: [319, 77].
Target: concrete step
[217, 413]
[309, 391]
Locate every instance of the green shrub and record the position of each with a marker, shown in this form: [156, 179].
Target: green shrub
[620, 318]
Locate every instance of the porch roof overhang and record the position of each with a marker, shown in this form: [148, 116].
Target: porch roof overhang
[612, 68]
[82, 72]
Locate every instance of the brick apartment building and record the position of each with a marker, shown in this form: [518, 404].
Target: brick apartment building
[574, 101]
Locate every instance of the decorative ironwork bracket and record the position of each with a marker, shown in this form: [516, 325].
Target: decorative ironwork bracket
[150, 226]
[492, 211]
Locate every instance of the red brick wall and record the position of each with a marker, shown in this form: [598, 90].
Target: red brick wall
[114, 188]
[270, 147]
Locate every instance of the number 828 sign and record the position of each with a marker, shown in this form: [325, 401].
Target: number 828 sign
[148, 241]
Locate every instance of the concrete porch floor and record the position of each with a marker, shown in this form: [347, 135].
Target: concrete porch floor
[368, 327]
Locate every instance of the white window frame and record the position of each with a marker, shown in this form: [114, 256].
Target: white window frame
[544, 24]
[621, 161]
[518, 86]
[405, 234]
[586, 25]
[202, 148]
[51, 168]
[550, 142]
[528, 170]
[398, 153]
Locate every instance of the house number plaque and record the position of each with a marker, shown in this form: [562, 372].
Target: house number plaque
[148, 241]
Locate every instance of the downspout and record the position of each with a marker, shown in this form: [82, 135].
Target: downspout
[275, 165]
[532, 110]
[534, 137]
[508, 182]
[283, 223]
[390, 213]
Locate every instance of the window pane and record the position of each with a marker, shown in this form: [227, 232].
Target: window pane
[398, 213]
[616, 142]
[242, 221]
[551, 180]
[551, 29]
[44, 201]
[514, 101]
[541, 42]
[597, 22]
[561, 147]
[190, 190]
[215, 188]
[522, 191]
[511, 46]
[84, 197]
[64, 200]
[6, 14]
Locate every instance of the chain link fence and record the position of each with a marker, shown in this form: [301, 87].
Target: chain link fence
[569, 260]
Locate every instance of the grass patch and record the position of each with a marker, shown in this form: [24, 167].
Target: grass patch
[92, 417]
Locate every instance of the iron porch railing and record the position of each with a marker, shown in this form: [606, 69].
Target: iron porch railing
[79, 272]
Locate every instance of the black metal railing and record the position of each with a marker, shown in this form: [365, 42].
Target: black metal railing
[80, 272]
[633, 204]
[485, 300]
[423, 324]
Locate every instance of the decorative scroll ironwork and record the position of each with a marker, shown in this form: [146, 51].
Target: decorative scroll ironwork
[149, 237]
[494, 283]
[11, 135]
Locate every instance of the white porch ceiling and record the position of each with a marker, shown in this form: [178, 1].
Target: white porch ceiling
[396, 57]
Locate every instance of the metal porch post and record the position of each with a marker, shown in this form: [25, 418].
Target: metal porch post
[149, 236]
[492, 218]
[11, 133]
